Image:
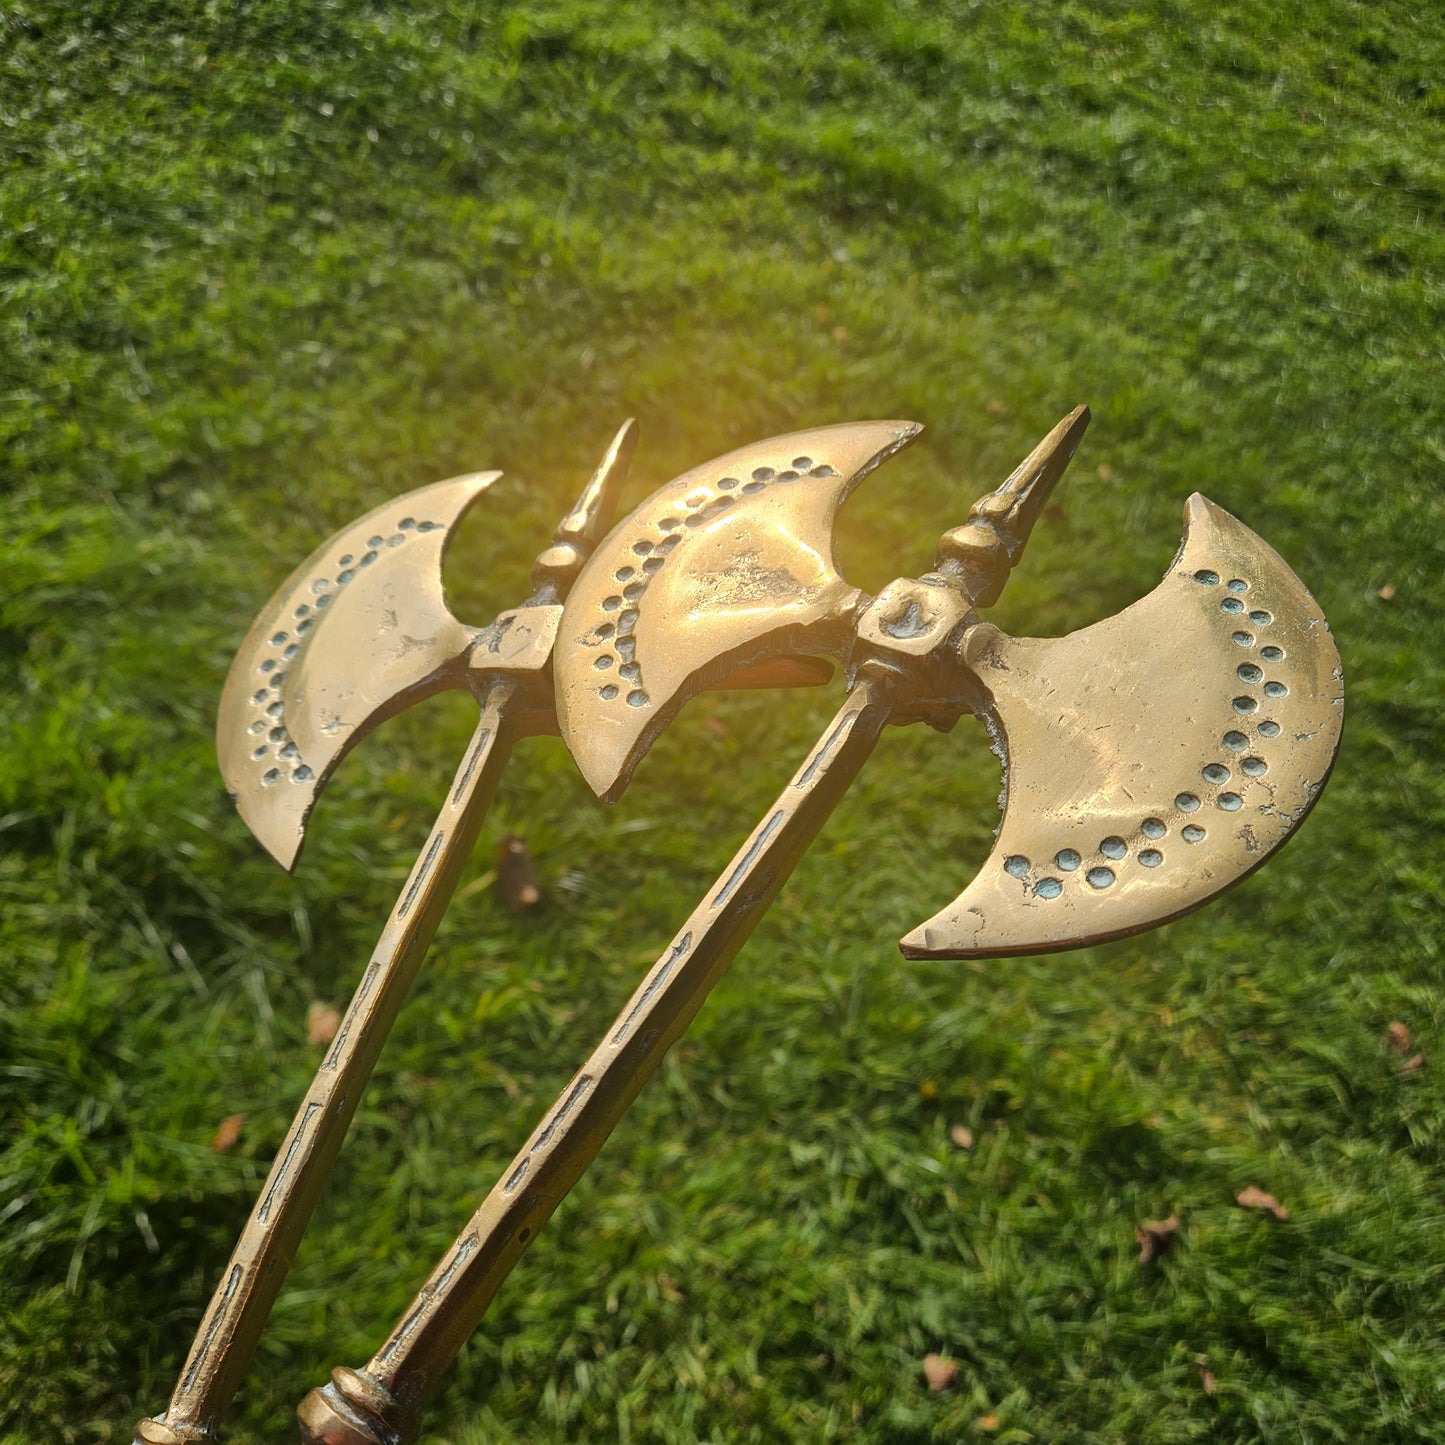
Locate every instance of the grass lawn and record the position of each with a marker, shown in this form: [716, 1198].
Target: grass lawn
[263, 266]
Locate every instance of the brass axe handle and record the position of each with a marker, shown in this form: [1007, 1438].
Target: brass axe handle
[231, 1328]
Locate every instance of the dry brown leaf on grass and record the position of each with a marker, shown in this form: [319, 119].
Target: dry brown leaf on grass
[1207, 1382]
[961, 1135]
[1252, 1198]
[516, 875]
[322, 1022]
[1156, 1238]
[940, 1372]
[227, 1132]
[1398, 1037]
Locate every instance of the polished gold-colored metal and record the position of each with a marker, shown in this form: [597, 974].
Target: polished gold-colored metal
[1153, 759]
[1216, 698]
[359, 631]
[726, 567]
[351, 638]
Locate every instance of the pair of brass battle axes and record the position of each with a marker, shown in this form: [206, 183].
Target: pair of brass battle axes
[359, 632]
[1150, 761]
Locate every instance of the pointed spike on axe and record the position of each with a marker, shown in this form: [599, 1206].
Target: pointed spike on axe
[359, 631]
[556, 569]
[920, 652]
[979, 554]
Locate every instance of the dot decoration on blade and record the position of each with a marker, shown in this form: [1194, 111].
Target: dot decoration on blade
[1218, 785]
[616, 636]
[288, 642]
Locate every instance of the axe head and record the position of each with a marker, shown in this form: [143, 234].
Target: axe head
[725, 569]
[1151, 760]
[359, 631]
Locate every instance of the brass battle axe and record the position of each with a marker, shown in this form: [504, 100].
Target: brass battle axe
[358, 632]
[1150, 761]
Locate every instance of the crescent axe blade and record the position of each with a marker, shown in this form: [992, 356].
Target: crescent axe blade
[1152, 760]
[359, 631]
[727, 567]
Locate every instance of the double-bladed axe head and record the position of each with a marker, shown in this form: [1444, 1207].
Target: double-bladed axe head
[1150, 760]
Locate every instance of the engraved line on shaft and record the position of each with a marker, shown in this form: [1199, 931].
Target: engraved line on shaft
[820, 757]
[423, 869]
[479, 746]
[220, 1315]
[748, 858]
[578, 1089]
[657, 980]
[364, 988]
[281, 1173]
[565, 1108]
[463, 1248]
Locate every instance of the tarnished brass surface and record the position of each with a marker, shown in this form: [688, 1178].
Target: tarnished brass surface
[1152, 759]
[1220, 689]
[348, 640]
[729, 564]
[359, 631]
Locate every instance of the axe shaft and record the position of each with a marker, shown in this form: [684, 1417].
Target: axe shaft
[379, 1404]
[227, 1337]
